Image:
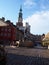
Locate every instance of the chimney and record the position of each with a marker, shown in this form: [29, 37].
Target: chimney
[3, 19]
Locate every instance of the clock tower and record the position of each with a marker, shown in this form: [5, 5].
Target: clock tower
[20, 19]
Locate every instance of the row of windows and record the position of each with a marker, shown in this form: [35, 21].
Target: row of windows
[5, 34]
[2, 29]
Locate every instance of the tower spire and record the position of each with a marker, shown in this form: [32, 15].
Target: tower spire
[20, 15]
[21, 8]
[20, 18]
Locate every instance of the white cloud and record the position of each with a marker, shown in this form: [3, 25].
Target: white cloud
[29, 3]
[39, 22]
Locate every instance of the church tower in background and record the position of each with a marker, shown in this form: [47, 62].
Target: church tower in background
[20, 18]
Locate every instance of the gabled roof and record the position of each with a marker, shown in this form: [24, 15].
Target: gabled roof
[47, 35]
[3, 23]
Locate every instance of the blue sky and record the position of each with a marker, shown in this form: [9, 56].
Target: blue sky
[35, 12]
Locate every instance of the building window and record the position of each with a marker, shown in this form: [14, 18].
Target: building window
[6, 29]
[9, 34]
[2, 29]
[5, 34]
[9, 30]
[1, 34]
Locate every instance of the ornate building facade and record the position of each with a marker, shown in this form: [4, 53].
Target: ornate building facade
[25, 30]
